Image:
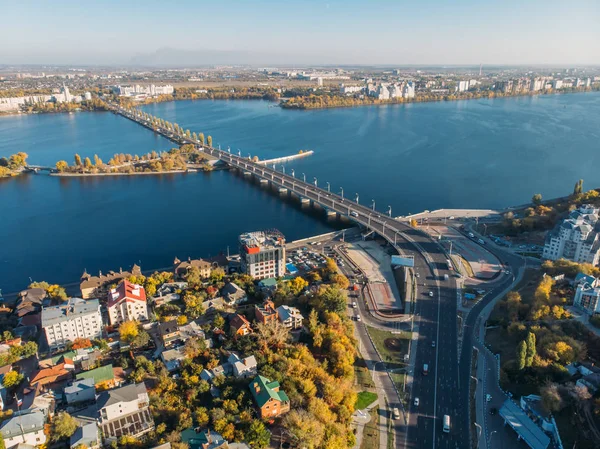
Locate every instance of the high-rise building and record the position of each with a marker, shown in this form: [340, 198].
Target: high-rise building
[77, 318]
[462, 86]
[576, 238]
[408, 91]
[262, 254]
[67, 94]
[587, 294]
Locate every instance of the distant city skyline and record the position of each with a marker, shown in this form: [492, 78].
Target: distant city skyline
[268, 32]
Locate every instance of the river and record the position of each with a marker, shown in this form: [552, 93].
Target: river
[463, 154]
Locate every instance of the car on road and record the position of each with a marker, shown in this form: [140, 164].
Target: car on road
[357, 317]
[471, 235]
[354, 214]
[480, 241]
[354, 305]
[488, 397]
[433, 343]
[416, 402]
[493, 411]
[396, 413]
[431, 294]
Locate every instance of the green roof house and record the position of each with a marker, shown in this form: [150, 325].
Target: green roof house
[271, 401]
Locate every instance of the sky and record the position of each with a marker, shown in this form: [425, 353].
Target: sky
[392, 32]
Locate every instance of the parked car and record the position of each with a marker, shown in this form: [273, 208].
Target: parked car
[396, 413]
[416, 402]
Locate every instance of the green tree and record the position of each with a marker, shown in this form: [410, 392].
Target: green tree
[219, 321]
[537, 199]
[578, 190]
[63, 426]
[2, 444]
[217, 274]
[522, 354]
[61, 166]
[257, 435]
[209, 141]
[531, 351]
[77, 160]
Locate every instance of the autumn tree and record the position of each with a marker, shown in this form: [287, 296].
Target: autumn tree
[209, 141]
[12, 379]
[77, 160]
[257, 435]
[551, 398]
[272, 334]
[81, 343]
[306, 430]
[537, 199]
[531, 350]
[297, 285]
[61, 166]
[63, 426]
[87, 163]
[578, 190]
[128, 331]
[201, 138]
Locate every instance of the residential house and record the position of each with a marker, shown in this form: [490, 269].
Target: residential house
[203, 439]
[86, 435]
[290, 317]
[127, 302]
[270, 399]
[124, 411]
[235, 365]
[97, 286]
[168, 293]
[590, 381]
[168, 332]
[77, 318]
[233, 294]
[265, 312]
[82, 390]
[104, 377]
[172, 358]
[55, 374]
[26, 428]
[181, 268]
[268, 286]
[30, 301]
[242, 368]
[239, 325]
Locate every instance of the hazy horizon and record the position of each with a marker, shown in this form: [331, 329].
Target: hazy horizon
[266, 32]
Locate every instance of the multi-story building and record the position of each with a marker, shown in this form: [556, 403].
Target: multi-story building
[265, 312]
[462, 86]
[587, 295]
[97, 286]
[408, 91]
[290, 317]
[124, 411]
[577, 238]
[77, 318]
[127, 302]
[262, 254]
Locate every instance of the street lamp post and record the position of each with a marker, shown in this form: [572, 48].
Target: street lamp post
[328, 187]
[390, 211]
[373, 370]
[491, 434]
[342, 190]
[239, 152]
[293, 173]
[357, 198]
[283, 169]
[304, 176]
[315, 181]
[373, 204]
[479, 431]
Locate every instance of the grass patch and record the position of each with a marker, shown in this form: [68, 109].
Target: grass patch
[362, 374]
[364, 399]
[393, 357]
[371, 432]
[461, 262]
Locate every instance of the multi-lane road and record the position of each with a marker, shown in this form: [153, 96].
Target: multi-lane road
[445, 389]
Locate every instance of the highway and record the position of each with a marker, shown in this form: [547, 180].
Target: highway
[445, 389]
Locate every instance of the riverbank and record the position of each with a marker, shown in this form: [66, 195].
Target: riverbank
[327, 101]
[76, 175]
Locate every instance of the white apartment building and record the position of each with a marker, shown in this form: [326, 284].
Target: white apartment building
[587, 295]
[409, 90]
[124, 411]
[383, 93]
[262, 254]
[577, 238]
[77, 318]
[557, 84]
[127, 302]
[350, 89]
[462, 86]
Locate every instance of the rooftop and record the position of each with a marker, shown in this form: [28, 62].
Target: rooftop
[263, 389]
[126, 291]
[23, 423]
[73, 308]
[524, 426]
[262, 240]
[101, 374]
[128, 393]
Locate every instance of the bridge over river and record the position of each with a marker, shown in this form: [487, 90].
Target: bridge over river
[436, 307]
